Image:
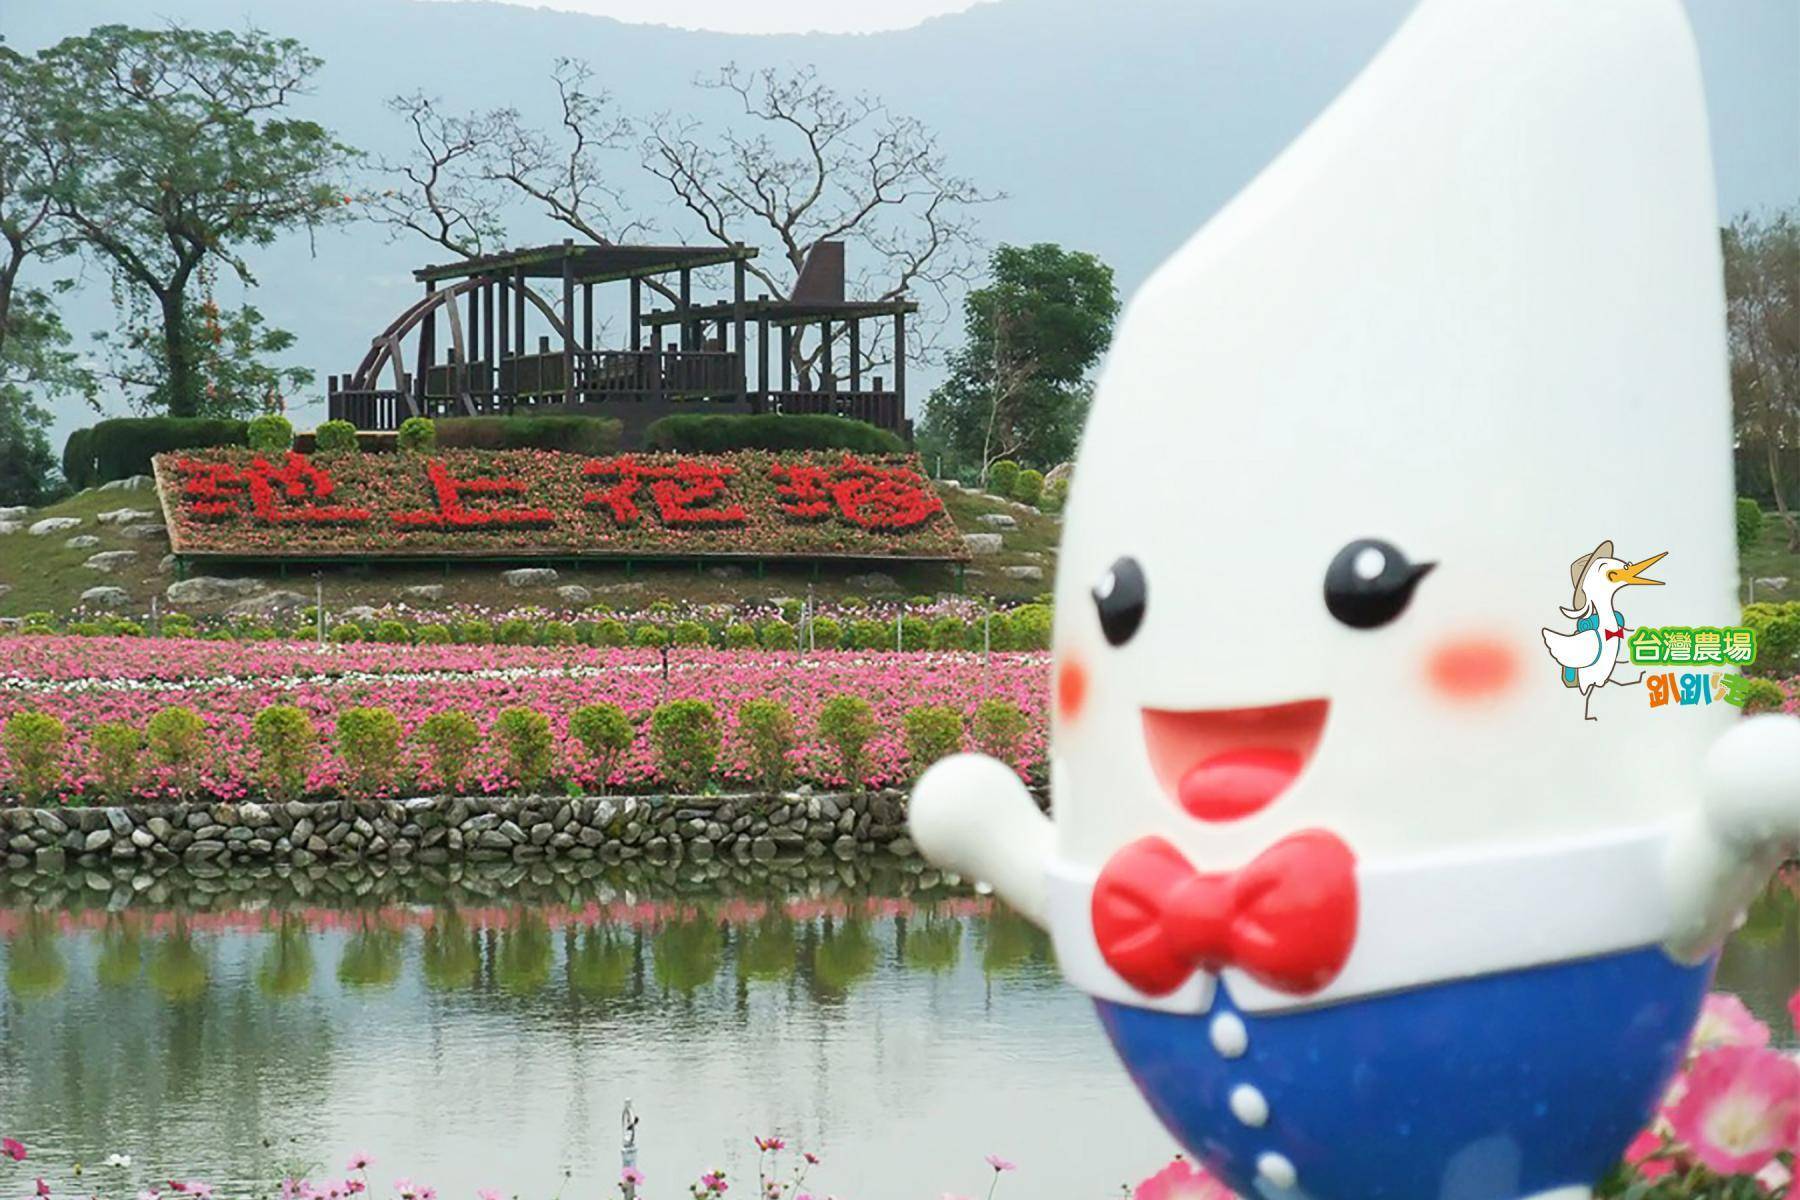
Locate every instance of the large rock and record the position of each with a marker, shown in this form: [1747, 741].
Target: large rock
[50, 525]
[109, 561]
[204, 589]
[999, 520]
[131, 483]
[271, 604]
[423, 591]
[874, 581]
[124, 516]
[82, 541]
[982, 543]
[7, 527]
[1059, 473]
[1774, 583]
[529, 577]
[574, 593]
[144, 531]
[14, 512]
[106, 597]
[1025, 572]
[166, 565]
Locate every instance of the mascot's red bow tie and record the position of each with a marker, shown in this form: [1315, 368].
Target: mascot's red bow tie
[1614, 633]
[1288, 919]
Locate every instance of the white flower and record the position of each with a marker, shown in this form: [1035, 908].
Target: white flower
[118, 1160]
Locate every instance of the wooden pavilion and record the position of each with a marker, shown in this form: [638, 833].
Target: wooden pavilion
[678, 356]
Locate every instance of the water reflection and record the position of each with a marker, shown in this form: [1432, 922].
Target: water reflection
[901, 1027]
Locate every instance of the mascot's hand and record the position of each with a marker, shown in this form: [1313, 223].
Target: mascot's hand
[971, 814]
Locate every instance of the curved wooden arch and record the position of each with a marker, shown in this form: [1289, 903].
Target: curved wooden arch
[385, 347]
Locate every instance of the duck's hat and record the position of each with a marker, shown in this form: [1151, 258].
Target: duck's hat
[1579, 568]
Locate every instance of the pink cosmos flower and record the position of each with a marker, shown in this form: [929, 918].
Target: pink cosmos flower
[149, 1194]
[1742, 1106]
[359, 1162]
[1642, 1155]
[812, 1160]
[1181, 1180]
[406, 1189]
[770, 1143]
[43, 1189]
[630, 1175]
[1726, 1021]
[714, 1182]
[491, 1194]
[13, 1149]
[355, 1187]
[1000, 1164]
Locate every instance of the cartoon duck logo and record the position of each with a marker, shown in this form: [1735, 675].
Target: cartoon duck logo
[1591, 657]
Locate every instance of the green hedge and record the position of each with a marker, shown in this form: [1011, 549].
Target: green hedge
[578, 435]
[123, 446]
[715, 434]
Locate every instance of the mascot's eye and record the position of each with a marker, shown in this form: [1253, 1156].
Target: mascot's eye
[1119, 599]
[1370, 582]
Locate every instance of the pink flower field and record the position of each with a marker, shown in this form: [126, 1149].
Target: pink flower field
[86, 680]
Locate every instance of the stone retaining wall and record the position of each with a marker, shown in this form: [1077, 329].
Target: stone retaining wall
[435, 831]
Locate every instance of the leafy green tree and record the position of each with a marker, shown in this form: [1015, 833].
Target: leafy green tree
[1018, 387]
[1762, 289]
[181, 156]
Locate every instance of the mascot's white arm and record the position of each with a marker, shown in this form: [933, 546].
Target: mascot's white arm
[971, 814]
[1749, 822]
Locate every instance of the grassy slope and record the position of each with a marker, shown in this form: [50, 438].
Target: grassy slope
[1770, 558]
[44, 575]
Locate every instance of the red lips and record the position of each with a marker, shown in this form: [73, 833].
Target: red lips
[1225, 764]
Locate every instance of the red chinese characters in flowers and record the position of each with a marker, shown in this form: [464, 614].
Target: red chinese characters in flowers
[291, 495]
[869, 496]
[452, 512]
[685, 494]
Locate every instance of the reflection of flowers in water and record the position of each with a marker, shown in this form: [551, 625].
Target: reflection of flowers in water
[448, 957]
[932, 944]
[178, 970]
[523, 963]
[601, 962]
[35, 968]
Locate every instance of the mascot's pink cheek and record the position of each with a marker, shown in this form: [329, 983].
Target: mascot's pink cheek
[1071, 689]
[1469, 669]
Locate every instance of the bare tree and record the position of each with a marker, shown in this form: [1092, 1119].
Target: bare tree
[437, 191]
[804, 164]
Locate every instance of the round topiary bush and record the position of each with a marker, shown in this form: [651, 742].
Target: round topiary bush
[559, 633]
[827, 633]
[933, 731]
[685, 735]
[286, 742]
[335, 437]
[999, 728]
[1749, 523]
[872, 635]
[114, 753]
[434, 635]
[691, 633]
[650, 636]
[522, 736]
[606, 733]
[35, 742]
[1763, 695]
[449, 738]
[847, 726]
[776, 635]
[418, 435]
[1028, 487]
[611, 632]
[1001, 477]
[740, 635]
[474, 633]
[393, 632]
[766, 729]
[346, 631]
[1028, 627]
[368, 742]
[949, 633]
[270, 433]
[176, 737]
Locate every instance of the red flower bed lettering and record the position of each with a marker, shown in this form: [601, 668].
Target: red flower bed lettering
[682, 493]
[866, 495]
[451, 513]
[277, 497]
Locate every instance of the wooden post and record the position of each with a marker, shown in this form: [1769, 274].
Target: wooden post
[568, 352]
[762, 348]
[900, 361]
[855, 324]
[519, 350]
[737, 321]
[787, 358]
[490, 373]
[637, 313]
[428, 336]
[827, 372]
[474, 295]
[687, 333]
[587, 323]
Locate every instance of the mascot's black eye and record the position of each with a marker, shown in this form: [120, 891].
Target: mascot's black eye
[1119, 599]
[1370, 582]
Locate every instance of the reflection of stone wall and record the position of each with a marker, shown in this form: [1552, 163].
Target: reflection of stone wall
[433, 832]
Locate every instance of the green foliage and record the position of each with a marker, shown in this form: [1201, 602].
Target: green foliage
[35, 742]
[1762, 306]
[606, 733]
[1056, 495]
[872, 635]
[559, 633]
[949, 633]
[776, 635]
[393, 632]
[113, 750]
[286, 741]
[176, 738]
[650, 636]
[915, 633]
[434, 635]
[449, 737]
[999, 729]
[611, 632]
[336, 437]
[701, 434]
[474, 633]
[368, 742]
[1763, 695]
[515, 631]
[827, 633]
[418, 435]
[1028, 627]
[1002, 477]
[691, 633]
[1018, 386]
[766, 728]
[1028, 488]
[523, 738]
[575, 434]
[346, 631]
[270, 433]
[1777, 628]
[1749, 523]
[123, 446]
[933, 731]
[847, 726]
[35, 361]
[685, 735]
[740, 635]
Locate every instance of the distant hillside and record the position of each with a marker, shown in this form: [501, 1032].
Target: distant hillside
[1115, 127]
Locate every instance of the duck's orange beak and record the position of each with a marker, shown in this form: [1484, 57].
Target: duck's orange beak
[1634, 573]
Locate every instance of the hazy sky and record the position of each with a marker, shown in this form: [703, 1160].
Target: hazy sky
[764, 16]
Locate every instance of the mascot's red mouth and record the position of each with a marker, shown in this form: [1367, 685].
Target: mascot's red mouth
[1223, 764]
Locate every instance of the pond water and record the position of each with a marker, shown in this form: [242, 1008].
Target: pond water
[476, 1031]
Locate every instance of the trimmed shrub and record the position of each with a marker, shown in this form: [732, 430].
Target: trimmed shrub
[176, 737]
[871, 635]
[1001, 477]
[123, 446]
[685, 735]
[691, 633]
[1777, 629]
[113, 753]
[418, 435]
[336, 437]
[933, 731]
[393, 632]
[346, 631]
[776, 635]
[650, 635]
[718, 433]
[35, 743]
[611, 632]
[1056, 496]
[286, 740]
[766, 729]
[270, 433]
[999, 729]
[1749, 523]
[449, 738]
[1028, 627]
[1028, 487]
[827, 633]
[949, 633]
[1763, 695]
[368, 740]
[553, 431]
[847, 726]
[792, 610]
[999, 632]
[515, 631]
[559, 633]
[474, 633]
[522, 736]
[605, 733]
[434, 635]
[915, 633]
[740, 635]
